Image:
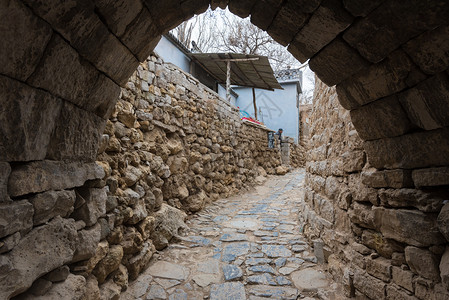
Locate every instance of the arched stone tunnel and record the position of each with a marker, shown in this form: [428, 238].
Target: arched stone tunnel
[63, 63]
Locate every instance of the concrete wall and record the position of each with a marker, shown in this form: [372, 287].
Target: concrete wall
[172, 54]
[279, 107]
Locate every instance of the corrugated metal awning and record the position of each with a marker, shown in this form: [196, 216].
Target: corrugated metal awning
[246, 69]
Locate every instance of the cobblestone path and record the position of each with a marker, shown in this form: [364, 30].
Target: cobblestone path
[247, 246]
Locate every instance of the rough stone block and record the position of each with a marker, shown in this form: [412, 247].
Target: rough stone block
[5, 170]
[427, 103]
[87, 243]
[138, 33]
[379, 268]
[398, 178]
[103, 97]
[76, 135]
[15, 216]
[403, 278]
[360, 8]
[94, 205]
[394, 292]
[408, 226]
[353, 161]
[167, 14]
[140, 262]
[424, 201]
[74, 287]
[40, 176]
[378, 81]
[109, 263]
[51, 204]
[58, 274]
[336, 62]
[40, 251]
[118, 14]
[431, 177]
[169, 221]
[28, 120]
[443, 221]
[264, 11]
[323, 26]
[392, 24]
[383, 246]
[423, 263]
[444, 268]
[410, 151]
[78, 23]
[24, 36]
[363, 215]
[380, 119]
[64, 73]
[369, 285]
[287, 22]
[430, 50]
[241, 8]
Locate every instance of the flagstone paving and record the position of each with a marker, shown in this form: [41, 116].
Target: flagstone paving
[248, 246]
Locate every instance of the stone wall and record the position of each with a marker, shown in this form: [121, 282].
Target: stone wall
[83, 230]
[384, 233]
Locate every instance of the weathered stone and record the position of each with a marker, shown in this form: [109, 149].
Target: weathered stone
[169, 221]
[423, 263]
[40, 176]
[282, 170]
[276, 251]
[92, 290]
[110, 290]
[58, 274]
[263, 278]
[369, 285]
[394, 292]
[378, 81]
[5, 170]
[109, 263]
[387, 178]
[74, 287]
[287, 22]
[76, 135]
[9, 242]
[94, 205]
[29, 116]
[92, 38]
[227, 290]
[430, 50]
[380, 119]
[263, 12]
[51, 204]
[40, 287]
[431, 177]
[417, 150]
[241, 8]
[390, 19]
[426, 102]
[232, 272]
[323, 26]
[15, 217]
[309, 280]
[444, 268]
[196, 202]
[407, 226]
[383, 246]
[169, 270]
[87, 243]
[156, 292]
[427, 202]
[336, 62]
[379, 268]
[40, 251]
[100, 252]
[25, 41]
[403, 278]
[360, 8]
[443, 221]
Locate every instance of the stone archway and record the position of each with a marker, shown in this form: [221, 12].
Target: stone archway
[388, 60]
[62, 64]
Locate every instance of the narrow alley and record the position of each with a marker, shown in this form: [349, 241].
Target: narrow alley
[248, 246]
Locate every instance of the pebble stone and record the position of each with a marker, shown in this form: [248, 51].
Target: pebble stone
[248, 246]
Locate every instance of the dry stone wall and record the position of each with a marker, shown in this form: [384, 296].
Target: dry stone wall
[73, 230]
[383, 232]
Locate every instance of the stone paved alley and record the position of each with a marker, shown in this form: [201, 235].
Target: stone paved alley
[247, 246]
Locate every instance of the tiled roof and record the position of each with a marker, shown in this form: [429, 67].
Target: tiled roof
[288, 74]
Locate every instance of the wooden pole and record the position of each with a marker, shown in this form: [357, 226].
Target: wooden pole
[254, 103]
[228, 82]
